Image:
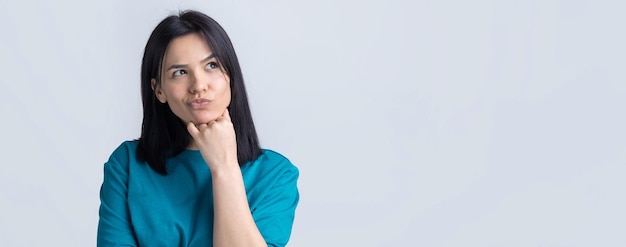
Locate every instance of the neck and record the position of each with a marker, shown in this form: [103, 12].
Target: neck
[192, 145]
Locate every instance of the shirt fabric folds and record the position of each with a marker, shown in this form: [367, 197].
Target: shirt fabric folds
[140, 207]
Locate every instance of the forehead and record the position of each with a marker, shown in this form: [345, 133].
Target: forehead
[186, 49]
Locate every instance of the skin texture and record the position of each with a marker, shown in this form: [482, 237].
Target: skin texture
[198, 92]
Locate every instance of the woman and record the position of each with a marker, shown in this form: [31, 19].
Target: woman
[197, 175]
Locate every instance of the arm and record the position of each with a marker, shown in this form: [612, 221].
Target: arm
[274, 214]
[114, 228]
[233, 224]
[273, 207]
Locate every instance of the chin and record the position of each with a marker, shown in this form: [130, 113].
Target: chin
[203, 119]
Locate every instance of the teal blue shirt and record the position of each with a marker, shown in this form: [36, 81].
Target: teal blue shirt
[139, 207]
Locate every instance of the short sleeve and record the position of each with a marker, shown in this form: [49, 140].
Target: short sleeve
[114, 226]
[275, 213]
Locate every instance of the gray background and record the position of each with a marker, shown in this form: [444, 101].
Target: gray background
[413, 123]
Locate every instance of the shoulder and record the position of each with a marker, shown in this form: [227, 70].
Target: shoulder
[124, 153]
[273, 155]
[271, 163]
[276, 159]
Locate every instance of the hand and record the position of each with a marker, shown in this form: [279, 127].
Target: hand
[216, 141]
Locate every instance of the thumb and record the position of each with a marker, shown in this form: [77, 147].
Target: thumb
[193, 130]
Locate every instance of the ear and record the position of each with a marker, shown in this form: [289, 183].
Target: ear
[157, 91]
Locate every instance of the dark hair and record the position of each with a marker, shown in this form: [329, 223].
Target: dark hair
[163, 134]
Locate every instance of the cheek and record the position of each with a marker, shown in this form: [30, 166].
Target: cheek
[174, 96]
[226, 91]
[227, 94]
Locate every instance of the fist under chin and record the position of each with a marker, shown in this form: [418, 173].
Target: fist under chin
[203, 119]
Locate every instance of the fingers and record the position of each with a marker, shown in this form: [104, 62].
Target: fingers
[193, 130]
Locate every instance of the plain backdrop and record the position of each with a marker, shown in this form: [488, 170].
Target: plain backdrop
[413, 123]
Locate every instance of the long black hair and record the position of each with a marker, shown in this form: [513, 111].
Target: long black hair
[163, 134]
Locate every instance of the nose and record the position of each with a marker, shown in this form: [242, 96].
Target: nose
[199, 83]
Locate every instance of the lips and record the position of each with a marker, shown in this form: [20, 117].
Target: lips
[197, 104]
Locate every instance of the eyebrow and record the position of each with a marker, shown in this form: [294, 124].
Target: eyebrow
[178, 66]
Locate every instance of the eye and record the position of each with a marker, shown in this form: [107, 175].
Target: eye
[179, 73]
[212, 65]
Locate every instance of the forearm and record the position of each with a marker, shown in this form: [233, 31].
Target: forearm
[233, 223]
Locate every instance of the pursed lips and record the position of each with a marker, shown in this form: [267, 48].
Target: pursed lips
[199, 103]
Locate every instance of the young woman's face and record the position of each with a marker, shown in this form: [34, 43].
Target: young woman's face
[193, 82]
